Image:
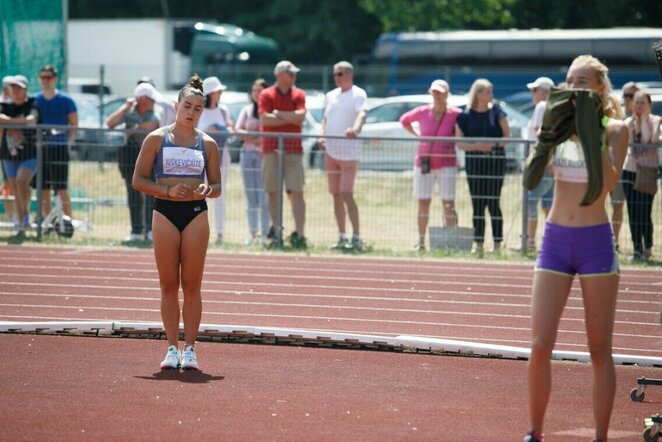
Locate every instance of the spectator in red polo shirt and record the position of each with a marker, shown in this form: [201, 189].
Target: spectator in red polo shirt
[282, 108]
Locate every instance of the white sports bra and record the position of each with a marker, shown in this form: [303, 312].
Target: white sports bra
[569, 164]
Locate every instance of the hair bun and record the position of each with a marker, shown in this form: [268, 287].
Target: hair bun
[195, 82]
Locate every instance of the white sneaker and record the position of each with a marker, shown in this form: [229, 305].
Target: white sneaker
[172, 359]
[189, 359]
[133, 237]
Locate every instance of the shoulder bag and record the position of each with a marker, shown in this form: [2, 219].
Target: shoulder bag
[646, 179]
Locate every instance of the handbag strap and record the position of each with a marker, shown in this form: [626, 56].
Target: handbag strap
[436, 131]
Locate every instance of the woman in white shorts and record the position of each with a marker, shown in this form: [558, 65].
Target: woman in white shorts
[435, 162]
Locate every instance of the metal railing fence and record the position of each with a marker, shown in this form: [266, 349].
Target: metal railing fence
[382, 191]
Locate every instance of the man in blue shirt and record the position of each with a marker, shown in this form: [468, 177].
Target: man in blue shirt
[56, 108]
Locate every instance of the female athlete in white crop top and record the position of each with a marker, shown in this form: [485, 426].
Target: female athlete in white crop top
[578, 240]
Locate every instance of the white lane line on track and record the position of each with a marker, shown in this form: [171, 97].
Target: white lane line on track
[288, 261]
[651, 323]
[210, 282]
[62, 270]
[283, 263]
[309, 317]
[211, 292]
[206, 300]
[300, 272]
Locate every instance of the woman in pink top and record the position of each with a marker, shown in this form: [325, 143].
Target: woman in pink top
[435, 162]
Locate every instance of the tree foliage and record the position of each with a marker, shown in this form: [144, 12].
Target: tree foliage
[423, 15]
[574, 14]
[438, 15]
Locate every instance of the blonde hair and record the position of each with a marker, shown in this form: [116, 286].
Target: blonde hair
[478, 86]
[616, 107]
[601, 74]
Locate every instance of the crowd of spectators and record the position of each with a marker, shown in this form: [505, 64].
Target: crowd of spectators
[281, 108]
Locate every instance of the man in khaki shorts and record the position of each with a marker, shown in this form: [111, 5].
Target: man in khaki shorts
[282, 108]
[344, 115]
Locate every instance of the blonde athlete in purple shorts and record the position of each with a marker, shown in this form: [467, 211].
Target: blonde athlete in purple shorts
[585, 251]
[578, 240]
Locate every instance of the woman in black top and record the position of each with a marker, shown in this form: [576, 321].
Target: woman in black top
[485, 162]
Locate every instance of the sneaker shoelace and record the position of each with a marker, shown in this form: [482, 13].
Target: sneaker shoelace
[189, 353]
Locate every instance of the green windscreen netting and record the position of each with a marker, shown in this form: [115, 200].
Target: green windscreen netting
[32, 34]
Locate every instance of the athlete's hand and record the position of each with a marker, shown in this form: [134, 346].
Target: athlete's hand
[181, 191]
[202, 191]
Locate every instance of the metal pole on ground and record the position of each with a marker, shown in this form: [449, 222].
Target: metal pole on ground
[39, 180]
[525, 203]
[281, 173]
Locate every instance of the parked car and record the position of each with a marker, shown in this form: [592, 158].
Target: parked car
[313, 126]
[383, 121]
[315, 104]
[77, 85]
[92, 142]
[522, 102]
[235, 101]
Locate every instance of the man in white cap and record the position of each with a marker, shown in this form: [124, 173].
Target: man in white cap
[137, 114]
[539, 92]
[282, 108]
[544, 193]
[167, 107]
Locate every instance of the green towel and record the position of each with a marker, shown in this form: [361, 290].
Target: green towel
[569, 112]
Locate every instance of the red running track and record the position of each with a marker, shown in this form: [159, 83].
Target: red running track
[472, 301]
[73, 388]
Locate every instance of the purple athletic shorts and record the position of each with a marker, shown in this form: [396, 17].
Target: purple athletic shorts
[586, 251]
